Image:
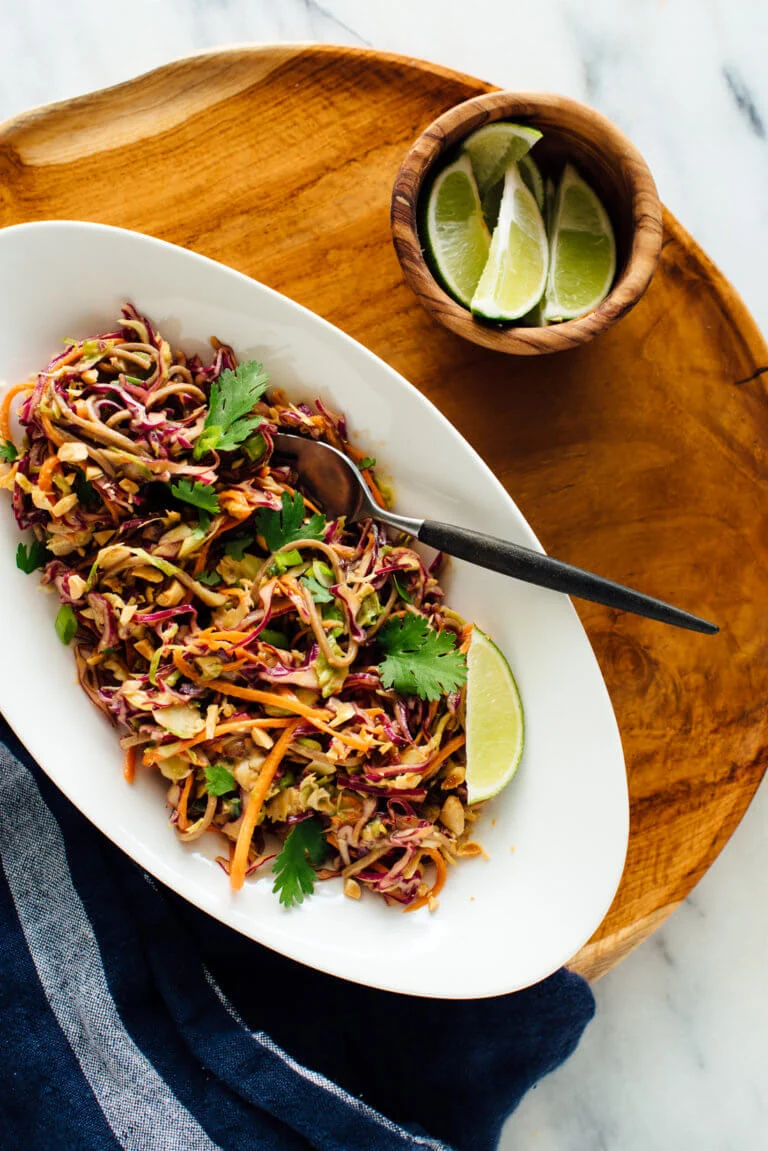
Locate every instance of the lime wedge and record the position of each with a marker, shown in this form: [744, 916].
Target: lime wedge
[494, 725]
[532, 179]
[550, 200]
[514, 277]
[457, 237]
[493, 148]
[583, 251]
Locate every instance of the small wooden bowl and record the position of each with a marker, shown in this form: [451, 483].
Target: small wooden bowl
[606, 159]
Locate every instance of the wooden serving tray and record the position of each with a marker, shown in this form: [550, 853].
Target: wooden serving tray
[641, 456]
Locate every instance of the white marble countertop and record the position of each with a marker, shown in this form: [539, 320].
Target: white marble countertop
[674, 1056]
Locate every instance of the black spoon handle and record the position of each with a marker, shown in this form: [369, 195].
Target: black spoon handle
[533, 567]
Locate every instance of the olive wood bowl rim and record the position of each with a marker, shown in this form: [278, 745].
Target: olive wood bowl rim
[454, 125]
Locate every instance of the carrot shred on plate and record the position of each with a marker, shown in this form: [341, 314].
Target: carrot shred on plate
[45, 475]
[437, 886]
[129, 764]
[5, 407]
[182, 809]
[255, 804]
[451, 746]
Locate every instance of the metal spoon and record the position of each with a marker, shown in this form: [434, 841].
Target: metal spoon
[336, 484]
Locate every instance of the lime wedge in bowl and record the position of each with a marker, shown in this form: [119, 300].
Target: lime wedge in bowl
[493, 148]
[514, 277]
[532, 178]
[456, 233]
[495, 726]
[583, 251]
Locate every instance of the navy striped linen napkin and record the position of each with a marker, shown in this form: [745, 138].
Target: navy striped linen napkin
[131, 1020]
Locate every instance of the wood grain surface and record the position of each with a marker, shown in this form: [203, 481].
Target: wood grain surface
[641, 455]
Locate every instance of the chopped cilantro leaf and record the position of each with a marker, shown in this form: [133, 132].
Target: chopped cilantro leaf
[367, 462]
[66, 624]
[29, 559]
[274, 637]
[85, 491]
[233, 395]
[287, 526]
[334, 612]
[199, 495]
[319, 593]
[210, 579]
[236, 545]
[419, 660]
[8, 452]
[294, 874]
[203, 525]
[401, 590]
[219, 780]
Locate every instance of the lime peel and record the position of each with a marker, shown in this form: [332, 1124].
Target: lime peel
[583, 251]
[495, 724]
[494, 147]
[456, 233]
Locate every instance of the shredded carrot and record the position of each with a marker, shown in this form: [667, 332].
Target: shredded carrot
[129, 764]
[153, 755]
[451, 746]
[374, 488]
[235, 504]
[287, 703]
[44, 476]
[437, 886]
[5, 407]
[465, 637]
[185, 668]
[182, 809]
[53, 434]
[255, 804]
[367, 475]
[232, 636]
[247, 724]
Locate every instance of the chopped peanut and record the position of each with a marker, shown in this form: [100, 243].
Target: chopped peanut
[452, 815]
[72, 453]
[144, 647]
[173, 594]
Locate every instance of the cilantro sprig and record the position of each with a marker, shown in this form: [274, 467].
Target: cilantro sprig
[29, 559]
[319, 593]
[219, 780]
[8, 452]
[229, 422]
[419, 660]
[198, 495]
[236, 545]
[294, 875]
[287, 526]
